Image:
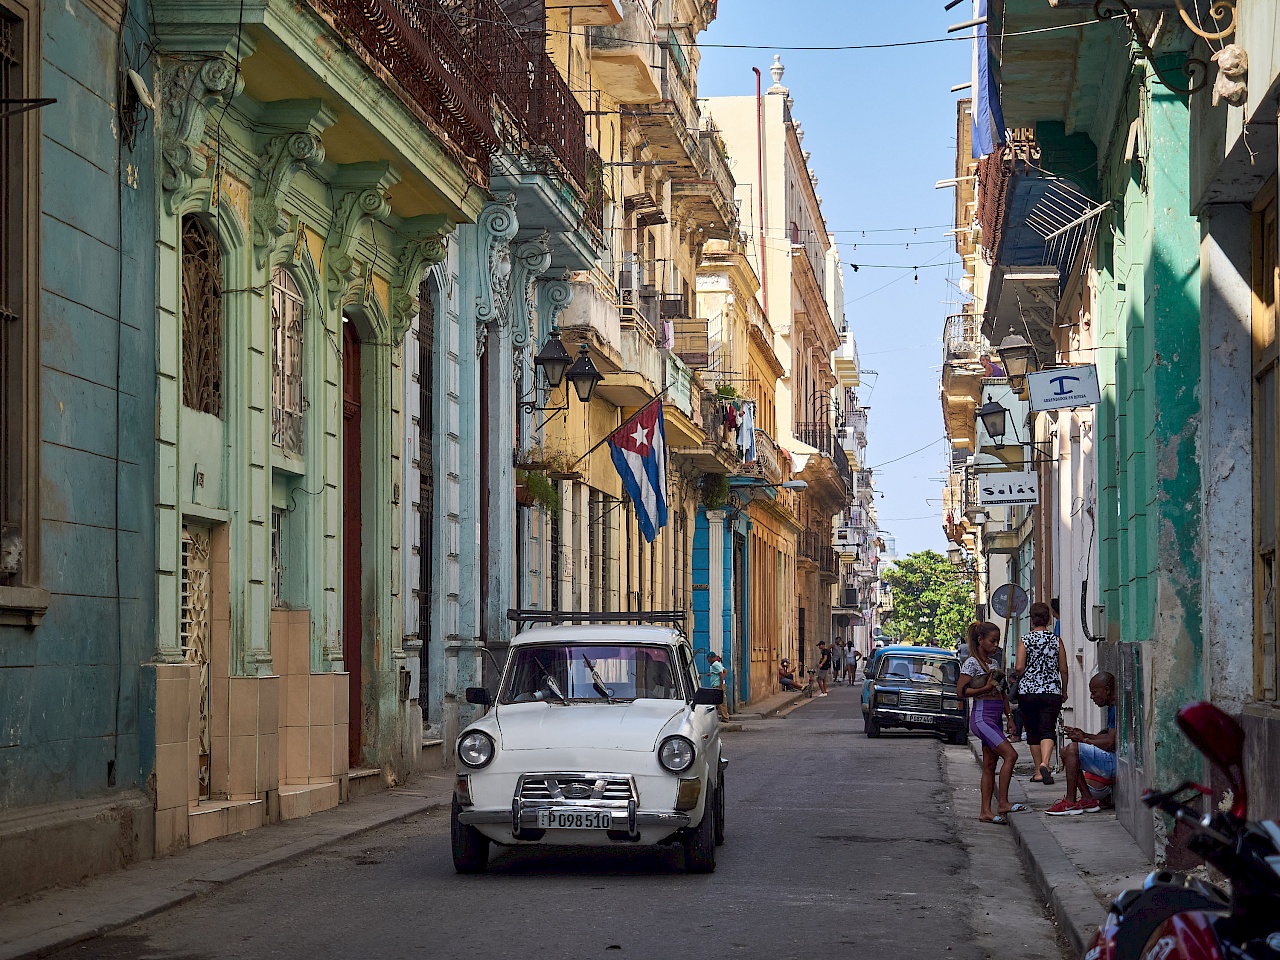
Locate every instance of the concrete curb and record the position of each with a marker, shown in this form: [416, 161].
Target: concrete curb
[1074, 906]
[153, 898]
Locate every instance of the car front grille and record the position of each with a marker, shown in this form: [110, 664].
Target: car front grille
[545, 787]
[919, 700]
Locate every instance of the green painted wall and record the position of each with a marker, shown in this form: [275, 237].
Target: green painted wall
[1149, 480]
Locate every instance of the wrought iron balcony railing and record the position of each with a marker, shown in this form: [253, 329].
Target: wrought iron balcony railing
[422, 49]
[819, 435]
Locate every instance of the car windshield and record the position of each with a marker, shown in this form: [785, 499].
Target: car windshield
[943, 670]
[563, 672]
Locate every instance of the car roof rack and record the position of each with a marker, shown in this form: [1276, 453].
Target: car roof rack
[674, 618]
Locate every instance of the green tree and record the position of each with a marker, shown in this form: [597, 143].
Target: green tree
[932, 599]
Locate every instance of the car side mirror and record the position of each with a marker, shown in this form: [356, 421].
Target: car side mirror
[479, 696]
[708, 697]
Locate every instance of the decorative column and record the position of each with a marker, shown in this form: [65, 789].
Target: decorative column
[485, 269]
[715, 579]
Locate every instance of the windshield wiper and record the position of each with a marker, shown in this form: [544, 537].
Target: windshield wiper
[551, 684]
[597, 681]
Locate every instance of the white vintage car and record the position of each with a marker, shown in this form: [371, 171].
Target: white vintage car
[600, 736]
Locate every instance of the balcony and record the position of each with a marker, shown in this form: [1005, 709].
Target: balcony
[962, 338]
[768, 462]
[542, 115]
[624, 59]
[819, 435]
[426, 58]
[671, 125]
[814, 546]
[709, 198]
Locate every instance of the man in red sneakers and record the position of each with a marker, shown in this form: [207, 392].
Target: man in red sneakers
[1091, 755]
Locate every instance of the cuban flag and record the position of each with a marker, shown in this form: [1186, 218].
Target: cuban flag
[639, 451]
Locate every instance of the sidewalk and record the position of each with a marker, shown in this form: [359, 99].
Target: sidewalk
[767, 708]
[1079, 863]
[45, 922]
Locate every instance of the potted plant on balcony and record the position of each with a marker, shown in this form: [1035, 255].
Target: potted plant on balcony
[715, 491]
[534, 487]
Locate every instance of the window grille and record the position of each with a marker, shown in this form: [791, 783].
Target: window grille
[201, 318]
[277, 558]
[194, 632]
[12, 237]
[287, 314]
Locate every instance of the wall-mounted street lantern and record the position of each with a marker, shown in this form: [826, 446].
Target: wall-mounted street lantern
[557, 366]
[1018, 357]
[995, 420]
[583, 375]
[553, 359]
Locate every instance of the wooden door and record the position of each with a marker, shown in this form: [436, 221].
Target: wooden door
[352, 600]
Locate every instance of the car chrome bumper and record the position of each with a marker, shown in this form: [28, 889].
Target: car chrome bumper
[899, 716]
[523, 815]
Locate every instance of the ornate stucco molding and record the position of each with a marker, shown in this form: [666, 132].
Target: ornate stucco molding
[284, 157]
[531, 260]
[192, 91]
[425, 245]
[553, 297]
[364, 201]
[497, 226]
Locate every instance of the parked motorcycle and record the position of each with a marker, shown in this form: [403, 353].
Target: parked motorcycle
[1177, 917]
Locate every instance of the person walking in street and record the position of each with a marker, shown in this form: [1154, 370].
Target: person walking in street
[1042, 672]
[837, 661]
[851, 658]
[824, 667]
[715, 680]
[980, 681]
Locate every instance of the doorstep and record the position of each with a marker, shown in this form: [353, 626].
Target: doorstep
[210, 819]
[303, 799]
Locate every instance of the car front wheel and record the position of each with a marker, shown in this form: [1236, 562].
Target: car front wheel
[700, 841]
[470, 846]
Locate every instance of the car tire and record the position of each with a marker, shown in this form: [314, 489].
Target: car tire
[959, 738]
[700, 841]
[872, 726]
[720, 812]
[470, 846]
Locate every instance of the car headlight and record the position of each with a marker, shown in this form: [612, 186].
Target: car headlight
[676, 754]
[475, 749]
[889, 698]
[950, 703]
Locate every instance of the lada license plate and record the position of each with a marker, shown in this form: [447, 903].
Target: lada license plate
[574, 820]
[919, 718]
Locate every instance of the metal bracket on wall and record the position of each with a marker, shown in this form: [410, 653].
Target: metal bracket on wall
[11, 107]
[1196, 70]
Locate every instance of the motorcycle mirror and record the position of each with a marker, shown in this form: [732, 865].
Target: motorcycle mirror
[1221, 739]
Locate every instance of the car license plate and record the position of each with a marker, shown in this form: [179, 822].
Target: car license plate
[574, 820]
[919, 718]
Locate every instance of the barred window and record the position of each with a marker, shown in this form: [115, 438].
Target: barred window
[201, 318]
[19, 339]
[196, 633]
[277, 558]
[287, 314]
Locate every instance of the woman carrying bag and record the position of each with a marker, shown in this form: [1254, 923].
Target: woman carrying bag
[1042, 672]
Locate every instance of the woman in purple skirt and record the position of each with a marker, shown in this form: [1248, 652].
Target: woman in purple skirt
[980, 682]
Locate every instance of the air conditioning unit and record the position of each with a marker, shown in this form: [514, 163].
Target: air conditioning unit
[844, 535]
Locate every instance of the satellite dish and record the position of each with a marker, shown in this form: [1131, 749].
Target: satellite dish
[1009, 600]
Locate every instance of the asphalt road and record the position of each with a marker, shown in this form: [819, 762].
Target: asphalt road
[838, 846]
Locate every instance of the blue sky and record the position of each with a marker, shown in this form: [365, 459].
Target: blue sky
[881, 127]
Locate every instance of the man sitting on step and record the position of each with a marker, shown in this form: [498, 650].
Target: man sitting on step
[1090, 758]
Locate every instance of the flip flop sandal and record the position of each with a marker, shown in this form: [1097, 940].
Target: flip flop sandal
[1019, 808]
[1045, 776]
[998, 819]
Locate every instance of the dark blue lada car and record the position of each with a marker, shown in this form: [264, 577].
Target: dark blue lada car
[914, 688]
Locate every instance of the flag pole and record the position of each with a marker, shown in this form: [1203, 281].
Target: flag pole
[610, 435]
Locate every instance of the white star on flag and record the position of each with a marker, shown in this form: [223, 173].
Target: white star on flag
[641, 436]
